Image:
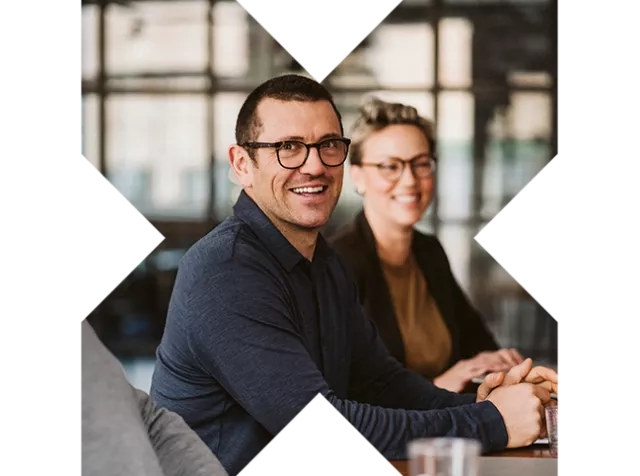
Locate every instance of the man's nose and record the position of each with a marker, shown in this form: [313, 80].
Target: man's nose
[313, 165]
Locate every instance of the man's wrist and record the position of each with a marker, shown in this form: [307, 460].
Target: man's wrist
[491, 427]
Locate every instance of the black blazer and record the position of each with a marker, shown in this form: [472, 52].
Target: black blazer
[356, 245]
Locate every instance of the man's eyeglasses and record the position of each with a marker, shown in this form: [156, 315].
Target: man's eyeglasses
[293, 154]
[422, 166]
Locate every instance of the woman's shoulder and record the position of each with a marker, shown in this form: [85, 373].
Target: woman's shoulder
[352, 236]
[345, 237]
[351, 245]
[429, 247]
[426, 239]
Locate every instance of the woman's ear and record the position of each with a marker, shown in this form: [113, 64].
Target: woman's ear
[357, 176]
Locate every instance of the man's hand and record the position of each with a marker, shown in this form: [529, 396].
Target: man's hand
[542, 377]
[522, 411]
[525, 382]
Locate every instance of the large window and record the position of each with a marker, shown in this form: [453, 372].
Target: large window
[157, 152]
[90, 35]
[225, 109]
[91, 128]
[157, 37]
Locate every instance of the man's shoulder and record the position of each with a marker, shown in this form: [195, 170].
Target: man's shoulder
[226, 248]
[227, 240]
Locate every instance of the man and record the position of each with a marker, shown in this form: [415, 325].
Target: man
[124, 433]
[264, 315]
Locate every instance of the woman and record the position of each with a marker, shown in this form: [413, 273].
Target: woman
[404, 278]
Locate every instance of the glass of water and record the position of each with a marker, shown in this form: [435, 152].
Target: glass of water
[444, 457]
[551, 417]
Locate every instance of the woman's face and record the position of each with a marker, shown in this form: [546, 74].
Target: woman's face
[395, 194]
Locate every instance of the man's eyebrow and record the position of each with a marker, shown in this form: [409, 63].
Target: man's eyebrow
[330, 135]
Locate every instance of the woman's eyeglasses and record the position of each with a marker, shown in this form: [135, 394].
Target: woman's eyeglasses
[392, 169]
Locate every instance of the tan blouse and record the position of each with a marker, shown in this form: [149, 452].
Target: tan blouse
[426, 337]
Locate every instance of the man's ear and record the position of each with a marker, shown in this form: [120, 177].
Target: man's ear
[242, 165]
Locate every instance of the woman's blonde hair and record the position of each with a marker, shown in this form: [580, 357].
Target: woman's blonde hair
[376, 114]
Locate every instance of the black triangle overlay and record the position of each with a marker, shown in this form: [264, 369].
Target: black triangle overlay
[319, 442]
[320, 35]
[107, 238]
[535, 239]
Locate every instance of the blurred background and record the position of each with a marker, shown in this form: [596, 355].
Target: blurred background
[162, 83]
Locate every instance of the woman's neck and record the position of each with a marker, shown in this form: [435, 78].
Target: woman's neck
[394, 243]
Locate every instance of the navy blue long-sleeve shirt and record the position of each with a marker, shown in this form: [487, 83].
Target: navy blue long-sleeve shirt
[255, 331]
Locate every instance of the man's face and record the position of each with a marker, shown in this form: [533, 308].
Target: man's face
[303, 198]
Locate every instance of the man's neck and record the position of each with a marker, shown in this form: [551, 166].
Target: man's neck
[394, 243]
[304, 241]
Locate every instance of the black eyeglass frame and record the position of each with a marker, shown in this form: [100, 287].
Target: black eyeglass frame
[278, 145]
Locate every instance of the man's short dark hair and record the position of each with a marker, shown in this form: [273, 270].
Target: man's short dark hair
[290, 87]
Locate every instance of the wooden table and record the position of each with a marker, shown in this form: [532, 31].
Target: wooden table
[535, 451]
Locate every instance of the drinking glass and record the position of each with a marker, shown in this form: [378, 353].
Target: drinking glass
[444, 457]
